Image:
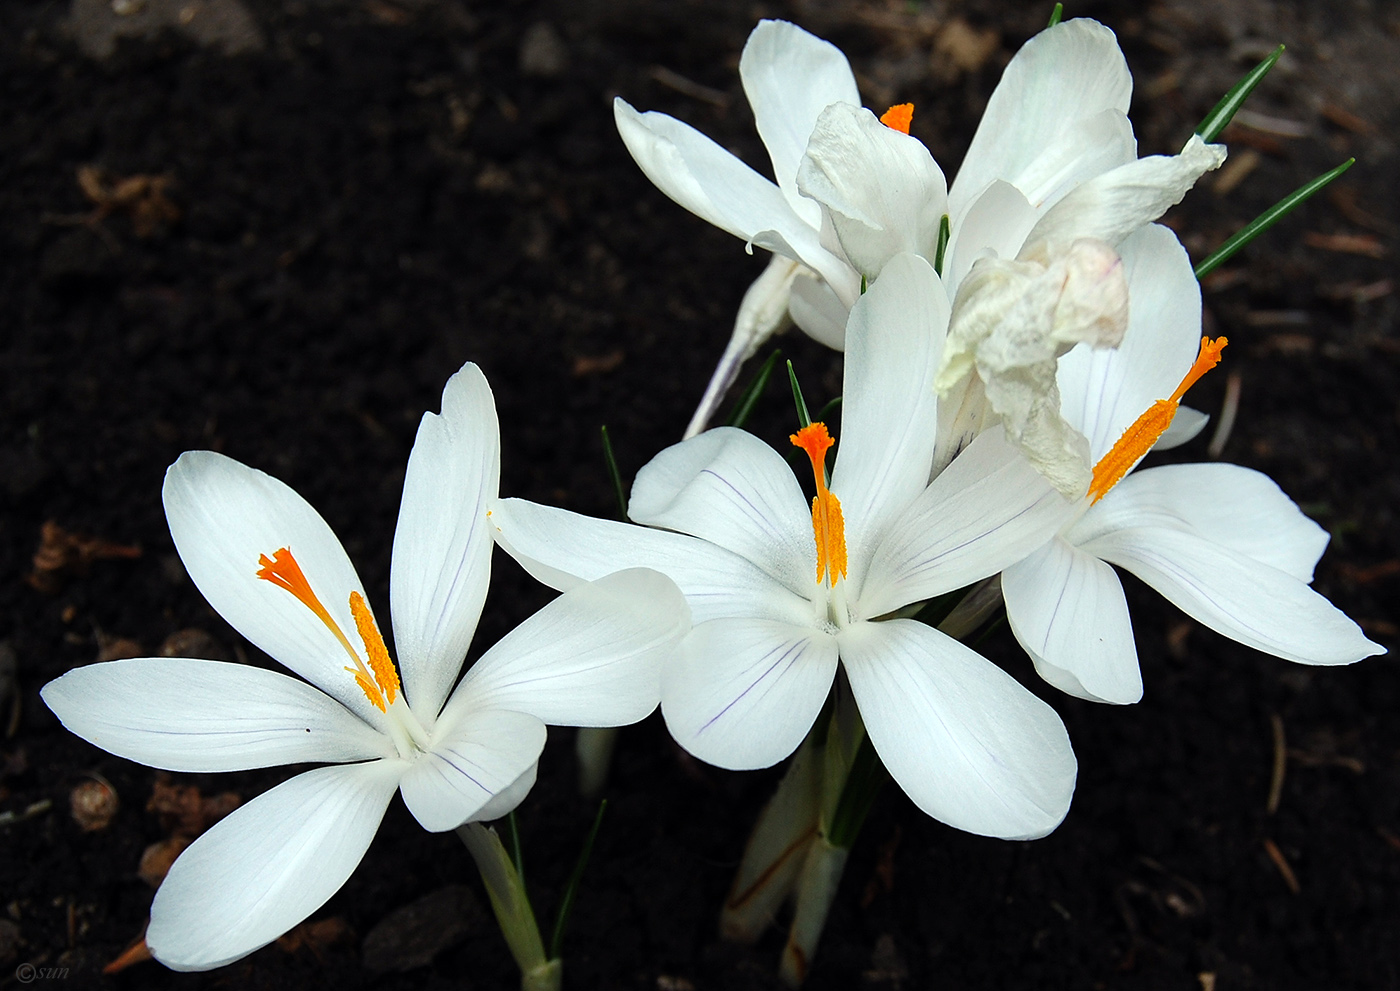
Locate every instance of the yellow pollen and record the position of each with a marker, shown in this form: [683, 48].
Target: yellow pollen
[827, 523]
[898, 117]
[384, 674]
[1138, 439]
[284, 572]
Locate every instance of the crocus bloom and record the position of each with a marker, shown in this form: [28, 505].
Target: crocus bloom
[1220, 541]
[783, 590]
[272, 567]
[1053, 165]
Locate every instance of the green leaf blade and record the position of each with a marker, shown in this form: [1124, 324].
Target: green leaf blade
[1224, 111]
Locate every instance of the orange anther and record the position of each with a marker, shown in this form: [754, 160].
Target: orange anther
[899, 117]
[1145, 431]
[384, 674]
[828, 526]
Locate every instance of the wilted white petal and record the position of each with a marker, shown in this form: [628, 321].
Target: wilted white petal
[729, 488]
[790, 77]
[965, 740]
[563, 549]
[481, 755]
[762, 313]
[888, 409]
[987, 510]
[1064, 76]
[1235, 507]
[1103, 391]
[1068, 611]
[1113, 205]
[592, 657]
[223, 516]
[881, 189]
[1242, 598]
[744, 692]
[268, 865]
[182, 714]
[442, 545]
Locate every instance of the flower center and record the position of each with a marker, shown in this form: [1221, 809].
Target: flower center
[827, 523]
[898, 117]
[379, 681]
[1138, 439]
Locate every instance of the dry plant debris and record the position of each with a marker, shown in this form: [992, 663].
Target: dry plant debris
[62, 555]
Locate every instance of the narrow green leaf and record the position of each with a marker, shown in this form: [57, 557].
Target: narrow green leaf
[863, 784]
[517, 852]
[863, 285]
[803, 417]
[743, 408]
[825, 412]
[1056, 14]
[566, 904]
[1266, 220]
[1223, 111]
[615, 475]
[944, 230]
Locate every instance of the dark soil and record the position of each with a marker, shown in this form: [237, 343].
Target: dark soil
[370, 193]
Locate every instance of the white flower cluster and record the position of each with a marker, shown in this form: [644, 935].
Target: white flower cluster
[1014, 345]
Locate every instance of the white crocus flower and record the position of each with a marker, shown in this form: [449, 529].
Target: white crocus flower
[1053, 164]
[1220, 541]
[783, 590]
[272, 567]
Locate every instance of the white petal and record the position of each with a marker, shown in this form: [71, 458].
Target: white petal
[508, 800]
[888, 408]
[268, 865]
[790, 77]
[1185, 426]
[1235, 507]
[717, 187]
[1068, 611]
[1257, 605]
[562, 549]
[743, 693]
[882, 189]
[995, 223]
[1113, 205]
[592, 657]
[191, 715]
[818, 311]
[482, 755]
[964, 739]
[223, 515]
[985, 511]
[728, 487]
[1063, 76]
[1102, 390]
[442, 545]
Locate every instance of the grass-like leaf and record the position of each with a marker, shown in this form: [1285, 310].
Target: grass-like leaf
[803, 417]
[1056, 14]
[1266, 220]
[944, 230]
[743, 408]
[1223, 111]
[615, 475]
[566, 904]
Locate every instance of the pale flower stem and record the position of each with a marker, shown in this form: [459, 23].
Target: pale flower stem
[777, 848]
[512, 907]
[594, 747]
[816, 890]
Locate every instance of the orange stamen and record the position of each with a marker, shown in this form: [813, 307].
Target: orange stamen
[384, 673]
[284, 572]
[1145, 431]
[828, 525]
[898, 117]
